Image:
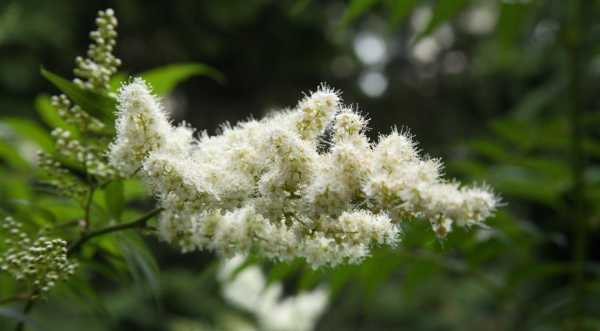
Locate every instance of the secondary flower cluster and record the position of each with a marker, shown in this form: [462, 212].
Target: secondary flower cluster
[41, 262]
[305, 182]
[80, 147]
[248, 290]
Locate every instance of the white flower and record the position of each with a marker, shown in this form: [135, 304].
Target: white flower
[280, 186]
[142, 127]
[247, 289]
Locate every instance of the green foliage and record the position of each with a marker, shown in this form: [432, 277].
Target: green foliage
[101, 106]
[164, 79]
[355, 9]
[518, 274]
[443, 11]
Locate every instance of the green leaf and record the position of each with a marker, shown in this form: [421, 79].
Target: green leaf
[9, 154]
[355, 9]
[30, 130]
[513, 16]
[117, 80]
[96, 104]
[164, 79]
[539, 99]
[299, 7]
[443, 11]
[141, 263]
[518, 133]
[400, 9]
[339, 277]
[490, 148]
[310, 278]
[134, 189]
[282, 270]
[528, 184]
[48, 113]
[115, 199]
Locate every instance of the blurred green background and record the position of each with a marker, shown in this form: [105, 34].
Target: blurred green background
[504, 91]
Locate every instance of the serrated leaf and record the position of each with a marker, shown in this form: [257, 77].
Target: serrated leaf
[96, 104]
[164, 79]
[114, 198]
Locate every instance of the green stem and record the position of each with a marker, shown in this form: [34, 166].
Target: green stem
[139, 223]
[28, 306]
[15, 298]
[88, 208]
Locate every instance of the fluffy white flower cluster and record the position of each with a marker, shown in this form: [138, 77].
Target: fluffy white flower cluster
[248, 290]
[282, 187]
[96, 69]
[41, 262]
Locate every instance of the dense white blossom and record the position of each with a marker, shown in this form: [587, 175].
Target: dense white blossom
[305, 182]
[247, 289]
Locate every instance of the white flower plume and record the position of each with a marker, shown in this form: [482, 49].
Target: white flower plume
[267, 184]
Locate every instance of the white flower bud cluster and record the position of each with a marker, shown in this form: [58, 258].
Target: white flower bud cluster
[267, 185]
[247, 289]
[94, 71]
[86, 143]
[41, 263]
[61, 178]
[74, 115]
[91, 158]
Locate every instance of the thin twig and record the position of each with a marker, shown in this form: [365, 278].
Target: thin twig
[28, 306]
[15, 298]
[88, 208]
[140, 222]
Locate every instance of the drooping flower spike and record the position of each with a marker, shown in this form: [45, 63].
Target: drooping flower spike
[265, 185]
